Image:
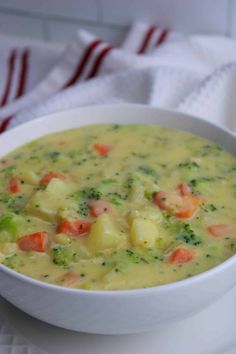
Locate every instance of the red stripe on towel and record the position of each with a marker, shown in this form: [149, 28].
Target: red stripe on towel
[82, 64]
[24, 67]
[162, 38]
[10, 71]
[146, 39]
[98, 62]
[22, 79]
[4, 124]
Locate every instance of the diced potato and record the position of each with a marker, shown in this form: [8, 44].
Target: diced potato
[46, 203]
[143, 233]
[141, 185]
[104, 235]
[43, 205]
[146, 212]
[7, 249]
[69, 212]
[136, 192]
[27, 176]
[58, 187]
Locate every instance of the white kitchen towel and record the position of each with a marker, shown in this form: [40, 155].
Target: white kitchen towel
[191, 73]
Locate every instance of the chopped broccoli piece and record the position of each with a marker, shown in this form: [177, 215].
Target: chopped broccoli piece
[116, 202]
[201, 184]
[188, 235]
[88, 193]
[196, 182]
[148, 195]
[208, 207]
[183, 231]
[129, 183]
[211, 149]
[83, 209]
[147, 170]
[53, 155]
[62, 256]
[189, 165]
[115, 127]
[125, 258]
[141, 156]
[106, 182]
[94, 193]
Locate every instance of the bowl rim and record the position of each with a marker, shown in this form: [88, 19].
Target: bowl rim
[127, 292]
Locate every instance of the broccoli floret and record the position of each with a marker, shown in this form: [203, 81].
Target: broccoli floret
[62, 256]
[208, 207]
[83, 209]
[130, 256]
[94, 193]
[182, 231]
[147, 170]
[129, 183]
[189, 165]
[53, 155]
[188, 235]
[88, 193]
[202, 184]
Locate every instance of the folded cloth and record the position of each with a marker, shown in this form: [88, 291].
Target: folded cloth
[191, 73]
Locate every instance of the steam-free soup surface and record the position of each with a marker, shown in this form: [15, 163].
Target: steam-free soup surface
[117, 207]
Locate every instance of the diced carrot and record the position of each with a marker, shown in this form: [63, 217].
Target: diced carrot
[49, 176]
[74, 227]
[167, 200]
[70, 279]
[184, 189]
[102, 149]
[98, 207]
[14, 186]
[220, 230]
[183, 207]
[181, 255]
[189, 208]
[37, 242]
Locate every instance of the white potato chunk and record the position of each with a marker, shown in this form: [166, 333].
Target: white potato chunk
[7, 249]
[28, 176]
[46, 203]
[136, 192]
[147, 212]
[143, 233]
[104, 235]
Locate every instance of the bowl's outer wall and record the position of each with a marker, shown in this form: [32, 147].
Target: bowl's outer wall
[116, 312]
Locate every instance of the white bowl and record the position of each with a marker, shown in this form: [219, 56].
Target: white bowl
[124, 311]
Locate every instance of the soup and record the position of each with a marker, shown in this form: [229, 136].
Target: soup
[111, 207]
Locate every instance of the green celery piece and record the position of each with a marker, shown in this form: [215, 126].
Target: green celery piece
[11, 224]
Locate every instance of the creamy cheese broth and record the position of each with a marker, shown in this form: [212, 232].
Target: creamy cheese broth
[112, 207]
